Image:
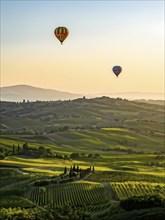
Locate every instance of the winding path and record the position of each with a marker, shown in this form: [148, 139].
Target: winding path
[109, 192]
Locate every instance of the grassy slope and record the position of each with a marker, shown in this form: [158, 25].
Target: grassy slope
[124, 124]
[89, 140]
[135, 164]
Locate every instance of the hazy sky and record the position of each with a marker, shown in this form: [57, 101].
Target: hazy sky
[101, 34]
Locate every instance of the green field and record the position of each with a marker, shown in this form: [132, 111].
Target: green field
[123, 140]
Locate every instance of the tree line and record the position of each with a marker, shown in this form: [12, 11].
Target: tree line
[41, 152]
[25, 150]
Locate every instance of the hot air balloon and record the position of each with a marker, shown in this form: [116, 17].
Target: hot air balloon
[117, 70]
[61, 33]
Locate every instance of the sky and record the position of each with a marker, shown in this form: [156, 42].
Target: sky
[102, 34]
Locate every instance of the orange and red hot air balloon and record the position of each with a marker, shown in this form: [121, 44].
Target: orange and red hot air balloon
[61, 33]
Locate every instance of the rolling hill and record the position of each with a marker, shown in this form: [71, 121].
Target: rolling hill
[19, 93]
[99, 123]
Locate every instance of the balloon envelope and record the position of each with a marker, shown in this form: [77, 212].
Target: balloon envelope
[61, 33]
[117, 70]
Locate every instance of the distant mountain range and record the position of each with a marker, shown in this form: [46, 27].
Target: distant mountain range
[31, 93]
[25, 92]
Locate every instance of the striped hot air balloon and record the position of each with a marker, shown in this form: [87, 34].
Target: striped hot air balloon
[61, 33]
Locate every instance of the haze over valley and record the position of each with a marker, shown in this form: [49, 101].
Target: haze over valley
[18, 93]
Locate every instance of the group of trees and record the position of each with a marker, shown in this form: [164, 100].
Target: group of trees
[160, 157]
[79, 172]
[124, 149]
[74, 173]
[42, 152]
[84, 155]
[142, 202]
[63, 212]
[31, 152]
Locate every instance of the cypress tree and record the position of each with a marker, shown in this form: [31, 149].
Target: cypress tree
[65, 170]
[74, 167]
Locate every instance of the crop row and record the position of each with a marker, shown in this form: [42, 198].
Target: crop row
[97, 209]
[126, 190]
[77, 193]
